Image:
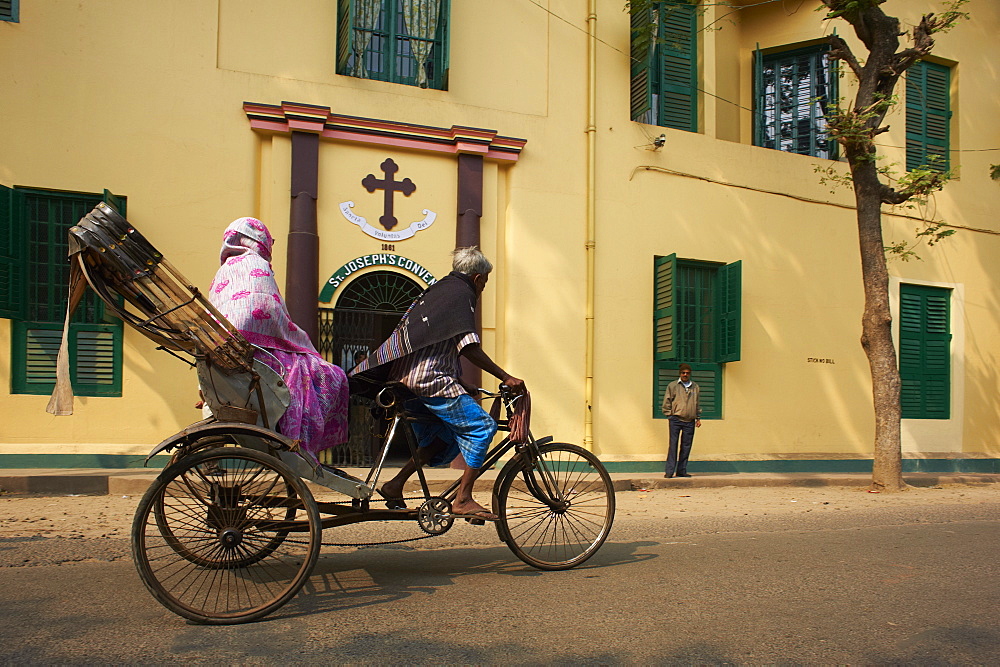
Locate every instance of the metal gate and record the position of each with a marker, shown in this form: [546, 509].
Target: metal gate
[367, 311]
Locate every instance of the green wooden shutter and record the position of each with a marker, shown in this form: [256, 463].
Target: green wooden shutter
[345, 34]
[759, 98]
[444, 29]
[729, 286]
[678, 59]
[95, 352]
[709, 379]
[664, 307]
[928, 116]
[916, 138]
[96, 365]
[35, 357]
[925, 351]
[9, 10]
[938, 114]
[12, 277]
[115, 202]
[642, 46]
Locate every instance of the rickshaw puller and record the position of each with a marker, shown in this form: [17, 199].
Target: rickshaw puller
[423, 353]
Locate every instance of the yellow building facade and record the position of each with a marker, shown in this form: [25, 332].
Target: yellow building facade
[644, 205]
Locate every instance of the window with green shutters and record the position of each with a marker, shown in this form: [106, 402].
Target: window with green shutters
[664, 73]
[791, 92]
[402, 41]
[928, 116]
[9, 10]
[925, 351]
[12, 269]
[35, 272]
[696, 320]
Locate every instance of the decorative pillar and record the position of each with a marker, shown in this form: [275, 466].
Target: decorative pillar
[470, 210]
[470, 199]
[302, 273]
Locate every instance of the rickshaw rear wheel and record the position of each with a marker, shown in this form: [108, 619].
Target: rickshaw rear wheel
[226, 535]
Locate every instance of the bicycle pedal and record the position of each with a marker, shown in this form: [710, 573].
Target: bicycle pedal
[477, 522]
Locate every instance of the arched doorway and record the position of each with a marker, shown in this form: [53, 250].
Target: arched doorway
[366, 312]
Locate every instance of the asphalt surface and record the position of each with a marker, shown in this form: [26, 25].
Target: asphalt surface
[879, 585]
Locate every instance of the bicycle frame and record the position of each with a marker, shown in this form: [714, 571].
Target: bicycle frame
[551, 495]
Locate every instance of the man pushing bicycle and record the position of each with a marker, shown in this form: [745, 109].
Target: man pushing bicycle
[423, 354]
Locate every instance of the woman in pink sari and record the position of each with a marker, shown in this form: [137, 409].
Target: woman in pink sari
[246, 293]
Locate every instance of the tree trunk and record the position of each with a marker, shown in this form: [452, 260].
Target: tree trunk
[855, 130]
[876, 332]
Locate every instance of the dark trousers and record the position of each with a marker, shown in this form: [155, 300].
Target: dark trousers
[684, 431]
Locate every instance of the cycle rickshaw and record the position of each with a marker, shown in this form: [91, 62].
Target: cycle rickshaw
[229, 531]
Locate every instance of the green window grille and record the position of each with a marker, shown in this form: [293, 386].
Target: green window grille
[402, 41]
[696, 320]
[928, 116]
[9, 10]
[925, 351]
[664, 66]
[792, 91]
[33, 227]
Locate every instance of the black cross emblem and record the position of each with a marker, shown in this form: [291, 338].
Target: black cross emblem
[406, 186]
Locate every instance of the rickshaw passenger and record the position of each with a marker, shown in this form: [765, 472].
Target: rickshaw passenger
[423, 354]
[246, 293]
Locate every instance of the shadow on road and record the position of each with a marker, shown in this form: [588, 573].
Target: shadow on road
[374, 577]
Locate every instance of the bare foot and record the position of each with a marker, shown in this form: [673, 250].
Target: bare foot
[392, 493]
[472, 508]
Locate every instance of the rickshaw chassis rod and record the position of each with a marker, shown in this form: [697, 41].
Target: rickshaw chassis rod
[338, 514]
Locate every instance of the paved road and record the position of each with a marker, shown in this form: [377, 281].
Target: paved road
[898, 585]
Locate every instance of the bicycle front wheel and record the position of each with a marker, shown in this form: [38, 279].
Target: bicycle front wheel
[226, 535]
[556, 513]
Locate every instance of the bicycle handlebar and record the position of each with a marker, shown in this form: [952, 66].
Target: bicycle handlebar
[505, 393]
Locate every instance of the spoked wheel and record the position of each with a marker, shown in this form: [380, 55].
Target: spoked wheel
[556, 514]
[226, 535]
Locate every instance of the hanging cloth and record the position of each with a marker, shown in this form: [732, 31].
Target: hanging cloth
[61, 401]
[421, 20]
[366, 15]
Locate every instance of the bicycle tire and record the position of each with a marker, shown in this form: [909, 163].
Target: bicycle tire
[212, 548]
[555, 523]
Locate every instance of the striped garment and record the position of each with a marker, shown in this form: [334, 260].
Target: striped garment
[445, 311]
[433, 371]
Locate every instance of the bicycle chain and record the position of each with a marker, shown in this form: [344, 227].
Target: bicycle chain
[364, 544]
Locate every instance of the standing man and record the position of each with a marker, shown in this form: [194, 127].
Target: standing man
[423, 354]
[681, 406]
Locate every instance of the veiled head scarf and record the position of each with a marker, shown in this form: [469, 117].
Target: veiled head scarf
[245, 292]
[246, 235]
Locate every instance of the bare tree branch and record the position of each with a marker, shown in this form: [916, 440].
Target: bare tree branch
[841, 51]
[922, 44]
[893, 197]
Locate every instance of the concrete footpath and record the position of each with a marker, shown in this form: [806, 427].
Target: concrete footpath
[135, 481]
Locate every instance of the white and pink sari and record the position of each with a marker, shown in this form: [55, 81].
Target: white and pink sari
[246, 293]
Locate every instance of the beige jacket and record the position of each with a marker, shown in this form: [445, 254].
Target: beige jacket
[682, 402]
